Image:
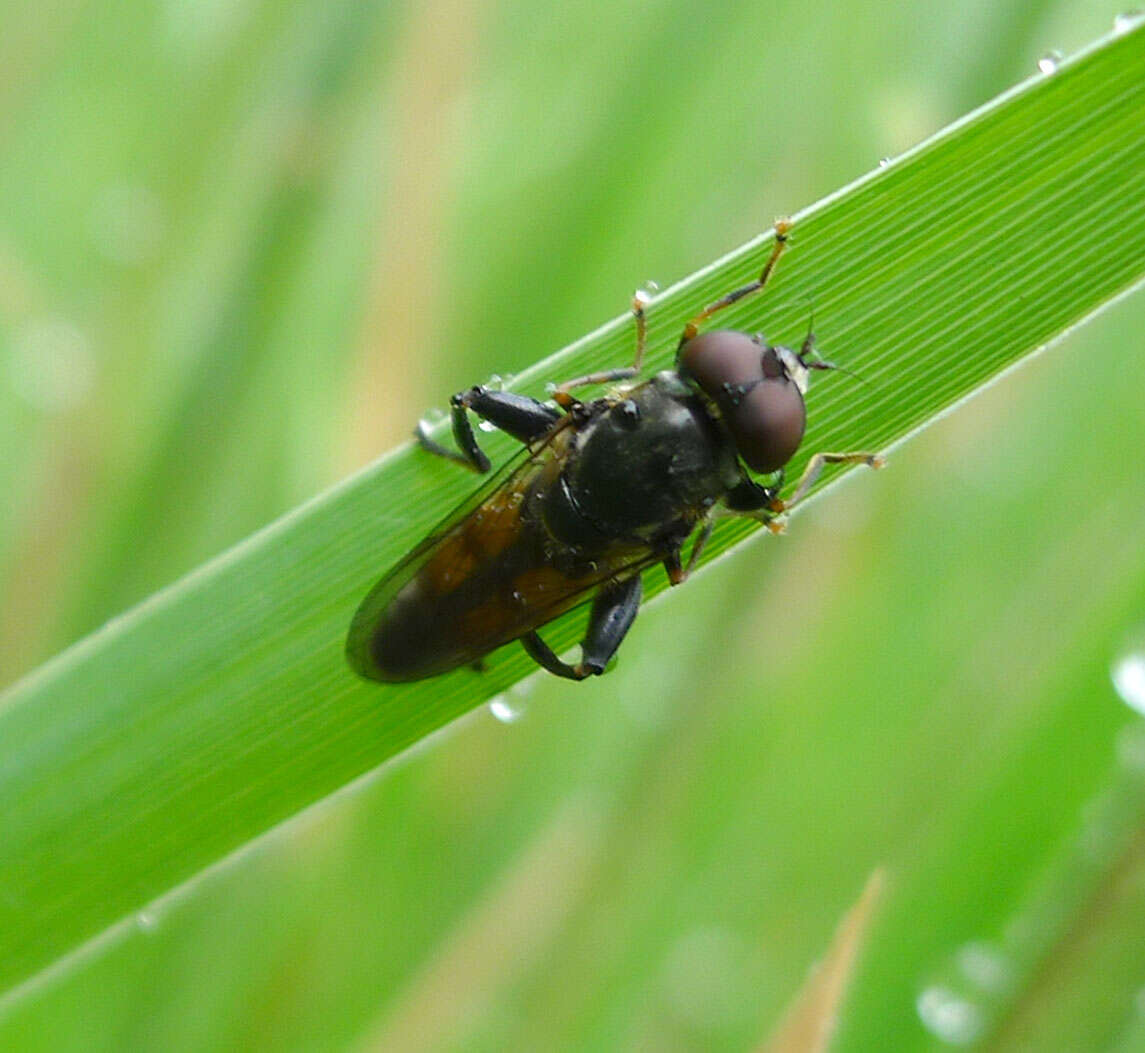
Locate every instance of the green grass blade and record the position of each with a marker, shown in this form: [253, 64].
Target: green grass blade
[181, 731]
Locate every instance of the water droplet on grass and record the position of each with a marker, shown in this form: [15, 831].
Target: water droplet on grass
[950, 1017]
[51, 365]
[1126, 21]
[1128, 673]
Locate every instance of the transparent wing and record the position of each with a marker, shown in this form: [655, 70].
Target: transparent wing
[486, 575]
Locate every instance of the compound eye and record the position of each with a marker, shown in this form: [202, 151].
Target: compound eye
[721, 360]
[767, 424]
[761, 406]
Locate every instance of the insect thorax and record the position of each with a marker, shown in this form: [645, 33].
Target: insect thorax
[644, 463]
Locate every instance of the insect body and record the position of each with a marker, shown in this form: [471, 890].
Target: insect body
[607, 488]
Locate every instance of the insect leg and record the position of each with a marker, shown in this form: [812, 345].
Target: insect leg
[815, 467]
[640, 300]
[782, 229]
[566, 401]
[677, 572]
[541, 653]
[613, 612]
[697, 549]
[524, 418]
[750, 498]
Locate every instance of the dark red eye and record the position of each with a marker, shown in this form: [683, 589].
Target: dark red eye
[760, 404]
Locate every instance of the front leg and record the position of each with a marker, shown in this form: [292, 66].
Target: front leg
[814, 469]
[749, 498]
[613, 612]
[782, 233]
[524, 418]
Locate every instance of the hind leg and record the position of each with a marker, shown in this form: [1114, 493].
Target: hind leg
[613, 612]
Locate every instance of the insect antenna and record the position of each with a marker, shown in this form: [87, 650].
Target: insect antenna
[820, 363]
[809, 354]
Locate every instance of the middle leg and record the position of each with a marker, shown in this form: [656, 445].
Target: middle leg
[640, 301]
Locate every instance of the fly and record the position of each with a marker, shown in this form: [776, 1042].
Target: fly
[606, 489]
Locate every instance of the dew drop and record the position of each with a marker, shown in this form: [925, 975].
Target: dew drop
[1049, 62]
[506, 709]
[1126, 21]
[496, 382]
[486, 426]
[1128, 673]
[950, 1017]
[52, 366]
[126, 223]
[884, 162]
[985, 966]
[646, 293]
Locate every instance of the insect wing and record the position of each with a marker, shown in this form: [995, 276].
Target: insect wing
[533, 592]
[372, 610]
[487, 575]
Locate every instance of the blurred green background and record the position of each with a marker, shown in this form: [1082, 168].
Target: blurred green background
[243, 245]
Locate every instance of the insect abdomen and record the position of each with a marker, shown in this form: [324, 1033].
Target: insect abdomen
[479, 588]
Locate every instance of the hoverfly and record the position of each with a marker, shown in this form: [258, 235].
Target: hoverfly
[606, 489]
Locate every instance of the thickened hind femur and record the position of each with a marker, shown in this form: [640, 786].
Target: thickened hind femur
[760, 404]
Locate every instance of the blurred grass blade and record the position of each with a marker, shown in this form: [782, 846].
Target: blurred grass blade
[810, 1022]
[183, 730]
